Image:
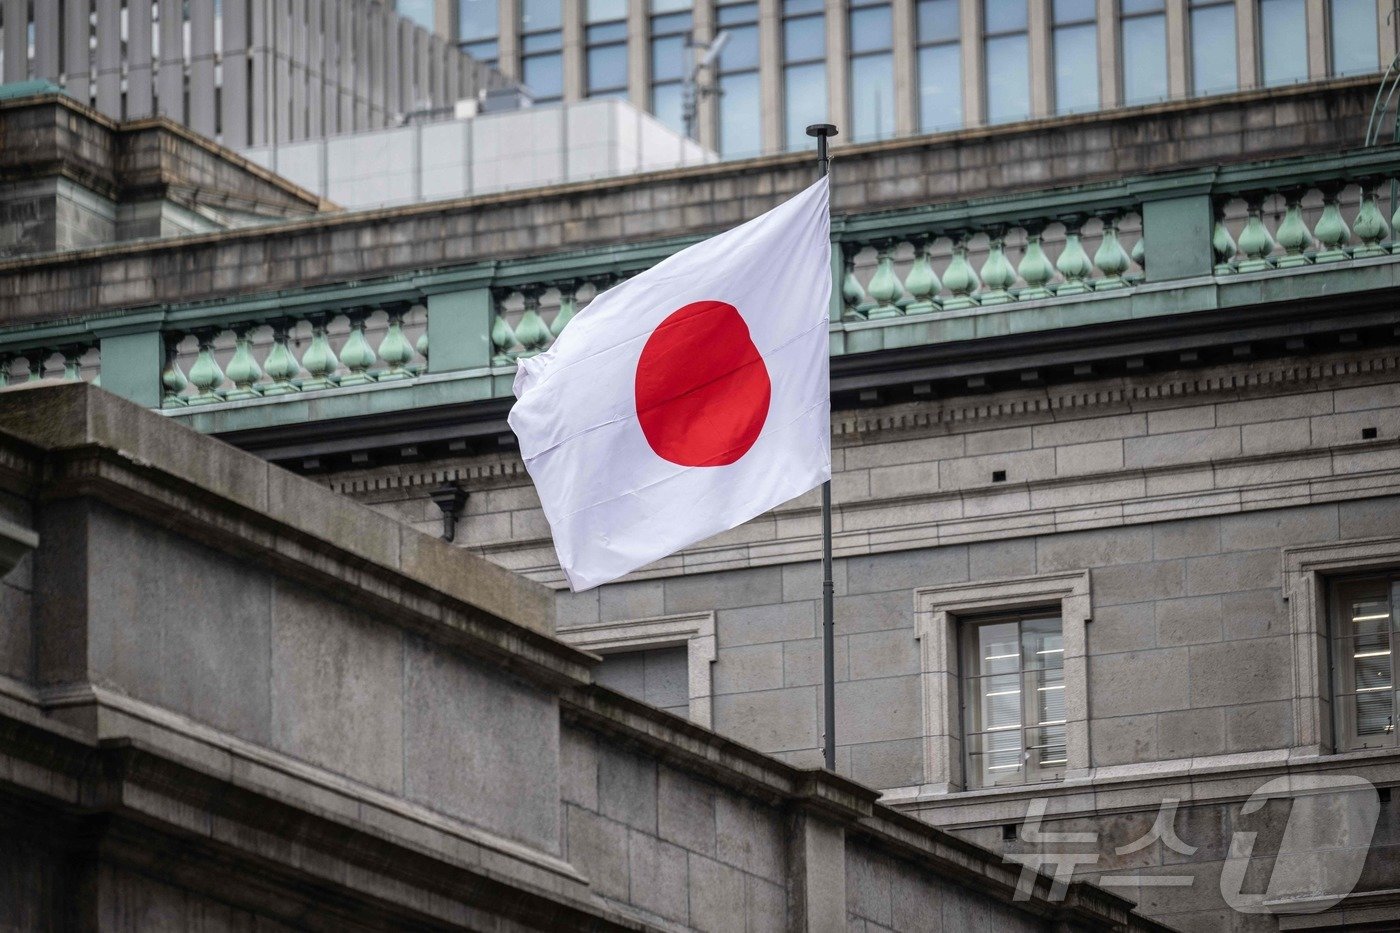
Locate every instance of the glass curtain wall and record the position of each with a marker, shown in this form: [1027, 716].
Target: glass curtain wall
[804, 70]
[1214, 68]
[1144, 51]
[478, 28]
[872, 71]
[541, 49]
[940, 65]
[1006, 60]
[1075, 45]
[739, 102]
[671, 58]
[605, 34]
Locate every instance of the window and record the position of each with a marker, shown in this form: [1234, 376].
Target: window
[1364, 627]
[541, 48]
[1004, 681]
[420, 11]
[1213, 68]
[1007, 58]
[656, 676]
[739, 130]
[606, 56]
[671, 58]
[477, 28]
[1283, 35]
[804, 69]
[940, 66]
[1144, 32]
[1076, 49]
[1352, 26]
[1014, 699]
[872, 71]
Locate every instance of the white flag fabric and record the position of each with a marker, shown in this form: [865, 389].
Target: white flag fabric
[687, 399]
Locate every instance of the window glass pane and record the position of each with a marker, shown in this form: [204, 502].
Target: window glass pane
[544, 76]
[871, 29]
[1213, 49]
[742, 49]
[737, 13]
[668, 58]
[791, 7]
[542, 42]
[1363, 653]
[1004, 15]
[804, 93]
[420, 11]
[1354, 49]
[738, 115]
[607, 67]
[1008, 79]
[1141, 6]
[938, 20]
[1283, 35]
[673, 23]
[477, 19]
[1076, 68]
[1071, 11]
[481, 51]
[1145, 59]
[940, 87]
[872, 97]
[603, 10]
[669, 6]
[539, 14]
[666, 105]
[608, 32]
[804, 38]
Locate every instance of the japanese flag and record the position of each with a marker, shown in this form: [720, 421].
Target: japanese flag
[686, 400]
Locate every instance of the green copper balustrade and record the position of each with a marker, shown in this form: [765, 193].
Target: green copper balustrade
[70, 360]
[528, 318]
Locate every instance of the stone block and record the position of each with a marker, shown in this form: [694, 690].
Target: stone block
[337, 687]
[731, 589]
[869, 878]
[659, 876]
[1273, 408]
[1259, 726]
[890, 653]
[1191, 537]
[1133, 583]
[803, 581]
[1088, 430]
[1081, 550]
[578, 767]
[572, 609]
[1192, 732]
[1239, 672]
[1188, 621]
[1139, 682]
[686, 811]
[1173, 420]
[1128, 627]
[627, 788]
[1369, 518]
[643, 599]
[750, 837]
[1254, 614]
[999, 441]
[1123, 740]
[921, 450]
[765, 906]
[1098, 457]
[879, 710]
[716, 896]
[1184, 447]
[905, 570]
[749, 668]
[906, 479]
[763, 624]
[771, 721]
[1000, 560]
[1232, 572]
[802, 661]
[1019, 466]
[888, 764]
[916, 901]
[598, 848]
[480, 746]
[1279, 528]
[1276, 436]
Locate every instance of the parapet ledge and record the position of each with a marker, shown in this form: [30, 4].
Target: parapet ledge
[94, 443]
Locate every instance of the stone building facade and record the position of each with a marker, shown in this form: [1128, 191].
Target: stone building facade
[1115, 403]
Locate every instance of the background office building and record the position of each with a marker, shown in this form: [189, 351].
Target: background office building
[243, 72]
[881, 68]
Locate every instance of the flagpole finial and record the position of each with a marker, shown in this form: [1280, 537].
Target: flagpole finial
[823, 129]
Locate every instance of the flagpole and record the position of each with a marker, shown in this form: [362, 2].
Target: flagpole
[822, 131]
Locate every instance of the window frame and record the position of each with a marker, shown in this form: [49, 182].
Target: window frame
[854, 56]
[1346, 738]
[791, 62]
[923, 43]
[990, 36]
[1124, 18]
[939, 614]
[1059, 27]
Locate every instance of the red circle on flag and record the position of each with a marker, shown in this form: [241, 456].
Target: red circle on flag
[702, 390]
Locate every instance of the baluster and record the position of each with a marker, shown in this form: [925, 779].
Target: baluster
[1073, 263]
[852, 295]
[997, 274]
[1332, 232]
[531, 332]
[1255, 241]
[5, 361]
[395, 349]
[172, 378]
[1395, 217]
[319, 359]
[205, 374]
[1222, 243]
[960, 278]
[1110, 258]
[1035, 268]
[356, 353]
[73, 361]
[568, 307]
[502, 337]
[1370, 225]
[922, 282]
[1293, 234]
[36, 359]
[420, 346]
[281, 364]
[1139, 252]
[243, 370]
[884, 284]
